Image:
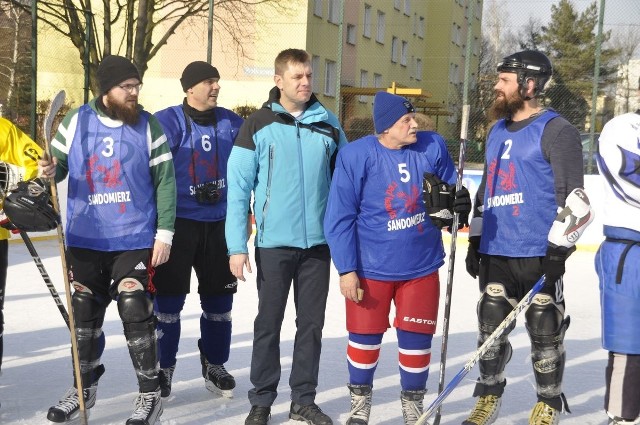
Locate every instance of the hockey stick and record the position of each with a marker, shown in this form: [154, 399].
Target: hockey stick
[522, 305]
[452, 259]
[45, 276]
[54, 107]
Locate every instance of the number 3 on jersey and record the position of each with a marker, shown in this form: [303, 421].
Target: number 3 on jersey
[404, 173]
[108, 149]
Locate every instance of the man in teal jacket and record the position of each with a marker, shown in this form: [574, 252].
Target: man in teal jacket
[284, 154]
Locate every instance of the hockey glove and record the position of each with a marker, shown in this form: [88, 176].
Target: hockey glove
[462, 206]
[438, 200]
[473, 256]
[553, 263]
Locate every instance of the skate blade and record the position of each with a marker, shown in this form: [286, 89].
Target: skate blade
[222, 393]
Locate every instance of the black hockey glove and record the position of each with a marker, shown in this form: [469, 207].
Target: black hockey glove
[462, 206]
[553, 263]
[473, 256]
[438, 200]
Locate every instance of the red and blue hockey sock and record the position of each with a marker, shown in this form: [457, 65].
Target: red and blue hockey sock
[363, 353]
[414, 357]
[215, 327]
[167, 309]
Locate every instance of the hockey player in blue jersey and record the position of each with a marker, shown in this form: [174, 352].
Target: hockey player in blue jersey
[200, 134]
[120, 215]
[533, 163]
[387, 246]
[618, 265]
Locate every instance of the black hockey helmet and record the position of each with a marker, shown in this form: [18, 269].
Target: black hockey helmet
[30, 209]
[528, 64]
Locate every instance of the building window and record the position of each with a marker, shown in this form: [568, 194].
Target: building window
[404, 52]
[351, 34]
[315, 69]
[419, 69]
[456, 34]
[330, 79]
[317, 8]
[454, 78]
[364, 81]
[421, 26]
[377, 81]
[380, 27]
[395, 44]
[366, 25]
[334, 11]
[407, 7]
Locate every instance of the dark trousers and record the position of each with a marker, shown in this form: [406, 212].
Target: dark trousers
[308, 269]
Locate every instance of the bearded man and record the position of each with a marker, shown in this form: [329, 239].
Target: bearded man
[533, 164]
[120, 223]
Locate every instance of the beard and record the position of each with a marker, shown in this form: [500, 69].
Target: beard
[506, 106]
[126, 111]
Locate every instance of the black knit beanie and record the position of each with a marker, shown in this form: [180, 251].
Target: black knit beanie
[196, 72]
[113, 70]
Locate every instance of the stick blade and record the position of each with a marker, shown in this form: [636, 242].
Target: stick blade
[54, 107]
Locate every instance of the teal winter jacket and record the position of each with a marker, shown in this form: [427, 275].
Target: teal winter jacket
[287, 163]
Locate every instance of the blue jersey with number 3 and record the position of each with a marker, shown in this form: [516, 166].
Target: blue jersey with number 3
[111, 205]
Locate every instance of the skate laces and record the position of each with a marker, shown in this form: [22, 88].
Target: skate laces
[144, 404]
[412, 406]
[217, 371]
[360, 406]
[543, 414]
[69, 401]
[485, 409]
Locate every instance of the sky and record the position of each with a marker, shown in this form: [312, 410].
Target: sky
[37, 366]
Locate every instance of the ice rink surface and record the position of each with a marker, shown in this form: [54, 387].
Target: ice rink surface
[37, 361]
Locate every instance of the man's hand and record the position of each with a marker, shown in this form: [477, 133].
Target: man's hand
[237, 263]
[46, 168]
[349, 285]
[160, 254]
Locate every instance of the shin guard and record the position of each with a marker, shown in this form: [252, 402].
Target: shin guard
[493, 307]
[546, 327]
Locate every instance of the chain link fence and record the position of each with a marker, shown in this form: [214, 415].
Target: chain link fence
[578, 53]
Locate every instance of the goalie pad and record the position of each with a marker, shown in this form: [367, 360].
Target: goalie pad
[10, 175]
[438, 199]
[572, 220]
[29, 208]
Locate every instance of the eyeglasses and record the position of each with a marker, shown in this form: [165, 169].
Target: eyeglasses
[131, 87]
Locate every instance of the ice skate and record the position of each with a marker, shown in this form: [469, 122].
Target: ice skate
[216, 378]
[360, 404]
[485, 411]
[311, 414]
[166, 375]
[543, 414]
[68, 408]
[148, 409]
[412, 405]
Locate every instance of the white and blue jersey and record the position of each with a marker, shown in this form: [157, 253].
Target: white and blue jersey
[202, 150]
[376, 222]
[618, 258]
[519, 198]
[110, 206]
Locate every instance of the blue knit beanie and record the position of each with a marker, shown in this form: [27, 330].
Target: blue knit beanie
[387, 109]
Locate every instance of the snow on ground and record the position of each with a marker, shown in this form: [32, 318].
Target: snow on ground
[37, 367]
